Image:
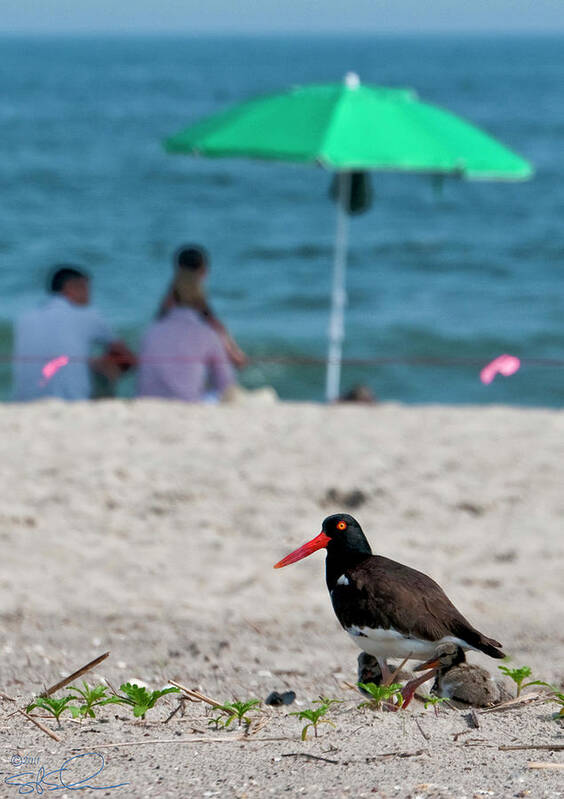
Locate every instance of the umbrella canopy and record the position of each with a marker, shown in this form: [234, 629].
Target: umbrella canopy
[348, 127]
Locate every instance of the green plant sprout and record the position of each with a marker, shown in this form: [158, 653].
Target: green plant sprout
[233, 710]
[56, 707]
[434, 702]
[520, 674]
[558, 697]
[218, 721]
[140, 699]
[324, 700]
[91, 698]
[380, 694]
[313, 717]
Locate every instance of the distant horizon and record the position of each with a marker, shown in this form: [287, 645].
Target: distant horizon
[311, 18]
[257, 34]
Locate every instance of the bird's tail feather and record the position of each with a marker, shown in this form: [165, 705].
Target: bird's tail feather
[475, 638]
[491, 647]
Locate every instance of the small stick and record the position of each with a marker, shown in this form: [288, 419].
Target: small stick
[415, 753]
[206, 740]
[422, 731]
[475, 719]
[174, 712]
[457, 735]
[41, 726]
[180, 706]
[260, 725]
[511, 703]
[533, 764]
[195, 730]
[198, 697]
[310, 757]
[289, 672]
[6, 697]
[549, 747]
[478, 742]
[254, 626]
[74, 675]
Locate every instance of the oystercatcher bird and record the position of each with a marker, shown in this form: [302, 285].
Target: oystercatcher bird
[464, 682]
[388, 609]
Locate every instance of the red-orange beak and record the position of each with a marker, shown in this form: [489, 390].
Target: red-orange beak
[319, 542]
[433, 663]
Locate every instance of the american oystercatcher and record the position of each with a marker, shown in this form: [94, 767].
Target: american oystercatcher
[464, 682]
[388, 609]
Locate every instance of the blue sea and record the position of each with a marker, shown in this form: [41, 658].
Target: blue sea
[441, 279]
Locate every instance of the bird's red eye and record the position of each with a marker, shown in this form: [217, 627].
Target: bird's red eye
[341, 525]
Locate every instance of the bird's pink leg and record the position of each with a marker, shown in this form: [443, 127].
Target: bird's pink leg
[408, 690]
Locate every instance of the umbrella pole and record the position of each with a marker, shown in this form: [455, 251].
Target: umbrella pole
[338, 292]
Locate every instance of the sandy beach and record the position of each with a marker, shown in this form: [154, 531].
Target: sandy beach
[150, 529]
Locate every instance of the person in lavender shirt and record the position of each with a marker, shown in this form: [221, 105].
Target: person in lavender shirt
[191, 267]
[182, 356]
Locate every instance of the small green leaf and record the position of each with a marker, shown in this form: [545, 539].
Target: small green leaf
[54, 706]
[433, 701]
[380, 693]
[520, 674]
[140, 698]
[313, 716]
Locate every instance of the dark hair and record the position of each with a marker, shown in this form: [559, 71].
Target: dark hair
[61, 275]
[190, 256]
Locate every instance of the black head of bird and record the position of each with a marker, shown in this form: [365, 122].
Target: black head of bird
[340, 534]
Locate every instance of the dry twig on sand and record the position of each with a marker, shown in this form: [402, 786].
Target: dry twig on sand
[259, 725]
[310, 757]
[422, 731]
[524, 699]
[56, 687]
[196, 696]
[71, 677]
[41, 726]
[533, 764]
[548, 747]
[385, 755]
[204, 740]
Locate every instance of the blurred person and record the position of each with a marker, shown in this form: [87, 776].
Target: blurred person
[191, 264]
[182, 356]
[359, 393]
[66, 330]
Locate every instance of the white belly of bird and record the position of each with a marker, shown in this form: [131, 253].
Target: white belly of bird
[392, 644]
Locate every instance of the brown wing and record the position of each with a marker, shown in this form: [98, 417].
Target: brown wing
[383, 593]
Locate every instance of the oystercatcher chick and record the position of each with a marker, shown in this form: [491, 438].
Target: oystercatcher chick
[388, 609]
[464, 682]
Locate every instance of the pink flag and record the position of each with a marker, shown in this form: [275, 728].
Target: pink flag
[52, 367]
[502, 365]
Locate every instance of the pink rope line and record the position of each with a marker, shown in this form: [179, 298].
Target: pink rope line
[289, 360]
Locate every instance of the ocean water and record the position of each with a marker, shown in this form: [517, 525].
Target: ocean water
[440, 280]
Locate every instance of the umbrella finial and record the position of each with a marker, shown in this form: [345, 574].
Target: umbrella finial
[351, 81]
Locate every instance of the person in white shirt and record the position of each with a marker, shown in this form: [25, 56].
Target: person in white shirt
[64, 330]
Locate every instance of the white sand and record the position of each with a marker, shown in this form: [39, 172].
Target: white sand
[151, 529]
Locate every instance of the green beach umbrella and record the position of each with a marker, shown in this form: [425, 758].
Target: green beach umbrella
[347, 127]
